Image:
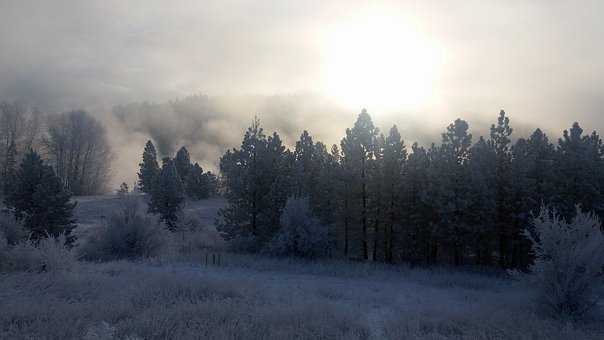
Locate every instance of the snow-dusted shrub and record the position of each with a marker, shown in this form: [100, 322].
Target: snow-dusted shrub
[301, 234]
[46, 255]
[569, 261]
[11, 229]
[127, 235]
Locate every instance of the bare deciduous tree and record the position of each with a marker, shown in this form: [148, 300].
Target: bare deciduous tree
[78, 149]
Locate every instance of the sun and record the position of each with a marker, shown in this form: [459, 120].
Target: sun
[379, 63]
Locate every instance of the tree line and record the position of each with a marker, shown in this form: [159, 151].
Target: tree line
[460, 201]
[168, 186]
[74, 143]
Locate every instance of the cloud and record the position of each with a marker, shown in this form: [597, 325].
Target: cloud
[540, 60]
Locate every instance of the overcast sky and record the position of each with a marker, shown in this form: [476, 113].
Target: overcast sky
[542, 61]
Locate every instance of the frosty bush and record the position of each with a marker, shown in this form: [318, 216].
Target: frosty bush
[11, 229]
[569, 260]
[127, 235]
[301, 234]
[46, 255]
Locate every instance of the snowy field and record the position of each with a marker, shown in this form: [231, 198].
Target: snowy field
[255, 297]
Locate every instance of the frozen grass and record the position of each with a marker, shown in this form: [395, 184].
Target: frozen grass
[270, 299]
[177, 296]
[121, 300]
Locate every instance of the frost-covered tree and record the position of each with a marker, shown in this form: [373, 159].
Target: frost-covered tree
[301, 233]
[148, 173]
[20, 131]
[79, 151]
[39, 201]
[168, 195]
[533, 186]
[569, 261]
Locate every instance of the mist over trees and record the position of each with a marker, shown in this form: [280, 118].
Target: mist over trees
[20, 130]
[74, 143]
[461, 201]
[77, 146]
[170, 185]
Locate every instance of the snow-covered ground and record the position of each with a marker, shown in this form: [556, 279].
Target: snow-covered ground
[256, 297]
[251, 297]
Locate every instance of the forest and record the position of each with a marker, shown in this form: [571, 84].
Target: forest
[459, 201]
[516, 215]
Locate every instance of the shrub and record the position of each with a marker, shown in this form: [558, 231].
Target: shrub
[11, 229]
[49, 254]
[127, 235]
[301, 234]
[569, 259]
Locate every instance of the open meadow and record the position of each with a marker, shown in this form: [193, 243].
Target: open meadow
[206, 292]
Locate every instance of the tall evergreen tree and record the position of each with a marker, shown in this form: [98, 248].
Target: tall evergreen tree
[450, 189]
[149, 171]
[376, 192]
[197, 183]
[579, 167]
[418, 215]
[394, 158]
[481, 214]
[167, 196]
[256, 186]
[182, 162]
[39, 200]
[358, 149]
[500, 139]
[306, 166]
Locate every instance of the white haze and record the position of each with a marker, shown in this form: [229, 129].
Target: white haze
[539, 60]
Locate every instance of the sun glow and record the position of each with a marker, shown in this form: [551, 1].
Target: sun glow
[381, 64]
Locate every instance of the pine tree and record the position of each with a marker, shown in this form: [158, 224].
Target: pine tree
[197, 183]
[579, 172]
[357, 151]
[376, 192]
[123, 190]
[256, 183]
[508, 234]
[305, 166]
[149, 169]
[167, 196]
[450, 189]
[182, 162]
[393, 163]
[417, 239]
[482, 211]
[39, 200]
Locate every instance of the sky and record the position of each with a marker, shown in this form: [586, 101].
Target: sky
[303, 64]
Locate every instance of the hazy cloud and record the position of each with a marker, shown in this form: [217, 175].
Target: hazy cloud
[540, 60]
